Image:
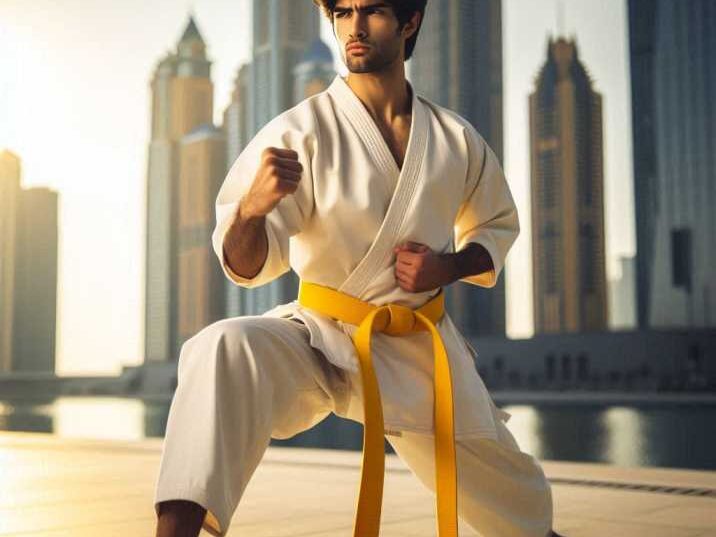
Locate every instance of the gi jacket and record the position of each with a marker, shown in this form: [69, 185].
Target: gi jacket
[353, 205]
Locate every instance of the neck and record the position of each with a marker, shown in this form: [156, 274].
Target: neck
[385, 95]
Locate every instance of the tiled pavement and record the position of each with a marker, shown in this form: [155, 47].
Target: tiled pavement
[60, 487]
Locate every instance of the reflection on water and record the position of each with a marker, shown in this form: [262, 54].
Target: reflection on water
[624, 449]
[680, 436]
[117, 418]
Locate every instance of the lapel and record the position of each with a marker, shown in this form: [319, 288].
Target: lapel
[381, 248]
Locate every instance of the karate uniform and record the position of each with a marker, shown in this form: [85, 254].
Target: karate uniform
[251, 378]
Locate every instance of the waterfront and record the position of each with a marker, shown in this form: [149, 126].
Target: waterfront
[658, 435]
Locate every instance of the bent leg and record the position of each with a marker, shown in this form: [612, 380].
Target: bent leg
[502, 491]
[240, 381]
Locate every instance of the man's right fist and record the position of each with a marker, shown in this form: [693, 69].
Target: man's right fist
[277, 176]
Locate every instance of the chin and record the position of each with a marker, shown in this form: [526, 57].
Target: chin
[357, 67]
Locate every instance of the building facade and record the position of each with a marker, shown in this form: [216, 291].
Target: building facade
[35, 304]
[9, 199]
[283, 30]
[567, 191]
[28, 272]
[236, 124]
[315, 72]
[457, 63]
[673, 68]
[182, 100]
[202, 167]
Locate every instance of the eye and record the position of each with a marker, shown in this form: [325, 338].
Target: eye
[368, 10]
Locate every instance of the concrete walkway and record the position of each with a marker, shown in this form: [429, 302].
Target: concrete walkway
[59, 487]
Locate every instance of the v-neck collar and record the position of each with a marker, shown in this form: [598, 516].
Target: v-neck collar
[360, 115]
[380, 251]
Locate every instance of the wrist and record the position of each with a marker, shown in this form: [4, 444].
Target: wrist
[451, 267]
[245, 211]
[471, 260]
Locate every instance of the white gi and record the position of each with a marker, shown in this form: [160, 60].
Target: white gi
[244, 380]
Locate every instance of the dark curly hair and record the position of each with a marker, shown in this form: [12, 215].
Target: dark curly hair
[403, 9]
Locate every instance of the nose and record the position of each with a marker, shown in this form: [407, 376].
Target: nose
[358, 27]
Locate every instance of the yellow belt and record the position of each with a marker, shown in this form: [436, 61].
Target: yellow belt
[394, 320]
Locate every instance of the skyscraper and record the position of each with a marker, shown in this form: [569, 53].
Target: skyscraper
[236, 125]
[283, 31]
[673, 58]
[9, 199]
[202, 168]
[567, 190]
[642, 15]
[182, 100]
[457, 63]
[36, 281]
[28, 272]
[315, 72]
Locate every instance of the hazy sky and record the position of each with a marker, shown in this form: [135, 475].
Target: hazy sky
[75, 106]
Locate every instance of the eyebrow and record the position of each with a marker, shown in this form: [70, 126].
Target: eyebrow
[364, 8]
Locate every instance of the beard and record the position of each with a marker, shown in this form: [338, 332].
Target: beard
[375, 59]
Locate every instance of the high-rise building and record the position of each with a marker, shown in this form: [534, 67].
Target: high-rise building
[312, 74]
[282, 32]
[202, 167]
[9, 199]
[457, 63]
[641, 48]
[182, 100]
[35, 316]
[315, 72]
[673, 59]
[567, 190]
[237, 120]
[28, 272]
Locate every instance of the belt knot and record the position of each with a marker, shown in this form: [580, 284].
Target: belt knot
[401, 320]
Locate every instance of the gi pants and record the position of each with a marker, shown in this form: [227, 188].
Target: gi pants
[246, 379]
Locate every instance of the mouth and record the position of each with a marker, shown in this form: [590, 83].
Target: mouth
[357, 48]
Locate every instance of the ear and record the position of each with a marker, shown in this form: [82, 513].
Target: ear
[412, 25]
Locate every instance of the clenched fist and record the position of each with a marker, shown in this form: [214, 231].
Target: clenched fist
[277, 176]
[418, 268]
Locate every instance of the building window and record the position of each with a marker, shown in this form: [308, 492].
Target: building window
[588, 257]
[550, 239]
[550, 177]
[681, 258]
[549, 366]
[583, 367]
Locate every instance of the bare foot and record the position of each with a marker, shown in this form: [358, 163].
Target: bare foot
[180, 518]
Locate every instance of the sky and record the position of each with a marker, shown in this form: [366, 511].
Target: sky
[75, 106]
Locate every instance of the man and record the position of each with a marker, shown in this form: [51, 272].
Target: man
[377, 198]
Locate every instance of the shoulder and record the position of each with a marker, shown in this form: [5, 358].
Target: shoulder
[453, 121]
[300, 117]
[295, 127]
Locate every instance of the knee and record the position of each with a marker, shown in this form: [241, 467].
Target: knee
[226, 341]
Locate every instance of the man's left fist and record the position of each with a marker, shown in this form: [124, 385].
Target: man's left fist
[418, 268]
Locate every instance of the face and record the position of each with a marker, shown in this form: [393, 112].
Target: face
[373, 23]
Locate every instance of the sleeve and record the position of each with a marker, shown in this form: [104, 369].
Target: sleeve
[488, 214]
[288, 217]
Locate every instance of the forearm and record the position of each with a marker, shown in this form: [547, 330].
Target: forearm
[471, 260]
[245, 243]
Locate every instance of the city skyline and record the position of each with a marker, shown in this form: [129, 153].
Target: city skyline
[94, 211]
